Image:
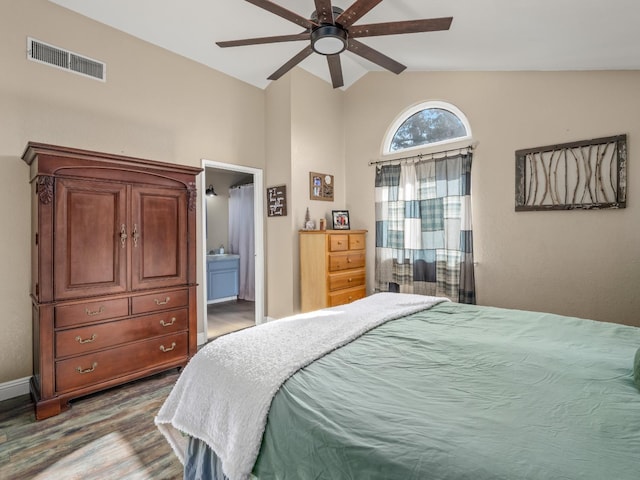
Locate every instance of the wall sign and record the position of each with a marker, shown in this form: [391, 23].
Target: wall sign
[277, 201]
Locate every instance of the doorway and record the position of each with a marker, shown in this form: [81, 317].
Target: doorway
[232, 299]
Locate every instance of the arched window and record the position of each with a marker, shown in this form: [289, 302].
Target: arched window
[425, 125]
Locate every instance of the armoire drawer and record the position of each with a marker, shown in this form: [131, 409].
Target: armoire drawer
[101, 366]
[90, 312]
[159, 301]
[346, 296]
[339, 281]
[82, 340]
[347, 260]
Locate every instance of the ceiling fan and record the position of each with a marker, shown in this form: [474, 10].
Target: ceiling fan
[331, 30]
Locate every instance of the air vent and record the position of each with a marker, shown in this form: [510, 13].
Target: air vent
[58, 57]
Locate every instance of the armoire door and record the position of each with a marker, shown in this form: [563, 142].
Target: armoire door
[90, 245]
[159, 237]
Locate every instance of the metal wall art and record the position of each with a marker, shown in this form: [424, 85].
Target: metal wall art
[590, 174]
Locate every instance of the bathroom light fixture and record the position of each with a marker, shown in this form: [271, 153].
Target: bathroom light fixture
[210, 192]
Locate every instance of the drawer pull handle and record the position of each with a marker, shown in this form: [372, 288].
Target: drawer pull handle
[162, 302]
[164, 349]
[87, 340]
[88, 370]
[135, 234]
[350, 298]
[348, 260]
[173, 320]
[95, 312]
[123, 235]
[339, 243]
[350, 280]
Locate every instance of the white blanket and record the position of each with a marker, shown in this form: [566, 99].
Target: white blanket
[224, 394]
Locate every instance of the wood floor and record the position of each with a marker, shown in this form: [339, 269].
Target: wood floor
[108, 435]
[227, 317]
[105, 436]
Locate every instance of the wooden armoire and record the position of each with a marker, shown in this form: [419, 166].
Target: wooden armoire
[113, 272]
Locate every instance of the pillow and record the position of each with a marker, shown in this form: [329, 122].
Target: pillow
[636, 369]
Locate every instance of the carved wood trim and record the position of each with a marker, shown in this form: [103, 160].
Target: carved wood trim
[192, 195]
[44, 188]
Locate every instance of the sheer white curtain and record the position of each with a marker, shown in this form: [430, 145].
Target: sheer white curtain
[241, 237]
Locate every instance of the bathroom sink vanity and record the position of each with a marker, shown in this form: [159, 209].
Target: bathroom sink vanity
[223, 277]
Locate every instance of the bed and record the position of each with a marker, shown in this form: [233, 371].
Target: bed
[399, 386]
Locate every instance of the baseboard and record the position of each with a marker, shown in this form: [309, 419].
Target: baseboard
[14, 388]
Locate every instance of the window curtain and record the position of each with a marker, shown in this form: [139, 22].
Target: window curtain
[241, 237]
[424, 241]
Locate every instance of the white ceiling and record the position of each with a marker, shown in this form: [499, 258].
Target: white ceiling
[484, 35]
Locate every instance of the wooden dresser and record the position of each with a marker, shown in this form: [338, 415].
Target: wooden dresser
[332, 267]
[113, 271]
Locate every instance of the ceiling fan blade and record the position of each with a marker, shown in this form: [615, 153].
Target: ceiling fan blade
[375, 56]
[335, 68]
[394, 28]
[355, 12]
[284, 13]
[260, 40]
[324, 11]
[304, 53]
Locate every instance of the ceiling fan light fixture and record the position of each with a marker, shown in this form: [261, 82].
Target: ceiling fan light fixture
[329, 40]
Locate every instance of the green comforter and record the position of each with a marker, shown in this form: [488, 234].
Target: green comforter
[463, 392]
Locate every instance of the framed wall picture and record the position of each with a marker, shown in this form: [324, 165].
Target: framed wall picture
[320, 186]
[277, 201]
[340, 219]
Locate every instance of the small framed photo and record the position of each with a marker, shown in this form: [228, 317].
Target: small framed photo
[340, 219]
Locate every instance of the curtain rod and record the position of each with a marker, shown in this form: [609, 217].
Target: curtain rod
[429, 156]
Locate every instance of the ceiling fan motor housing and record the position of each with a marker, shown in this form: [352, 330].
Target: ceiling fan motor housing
[328, 38]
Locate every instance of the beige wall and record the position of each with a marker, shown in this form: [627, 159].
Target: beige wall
[305, 133]
[317, 145]
[581, 263]
[279, 261]
[154, 105]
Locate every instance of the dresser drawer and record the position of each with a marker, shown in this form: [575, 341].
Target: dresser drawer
[88, 339]
[159, 301]
[89, 312]
[338, 242]
[356, 241]
[101, 366]
[339, 281]
[346, 296]
[347, 260]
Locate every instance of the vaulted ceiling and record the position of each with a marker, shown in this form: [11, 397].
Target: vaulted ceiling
[485, 34]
